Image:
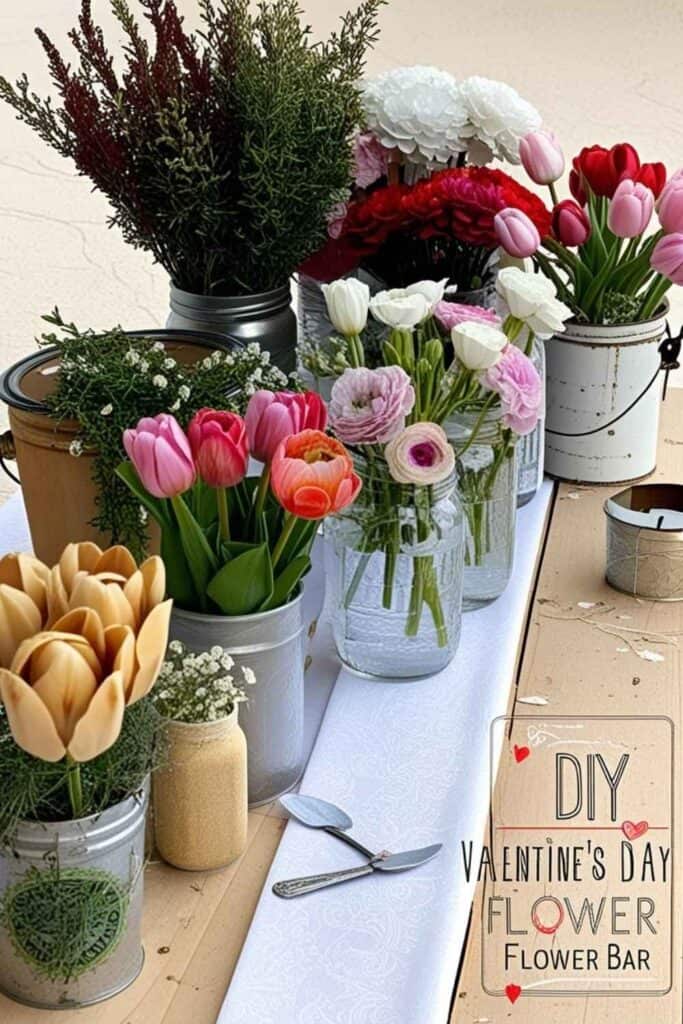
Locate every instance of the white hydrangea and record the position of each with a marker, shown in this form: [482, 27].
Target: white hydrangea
[418, 110]
[496, 120]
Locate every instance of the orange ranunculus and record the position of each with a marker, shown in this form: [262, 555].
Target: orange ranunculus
[312, 475]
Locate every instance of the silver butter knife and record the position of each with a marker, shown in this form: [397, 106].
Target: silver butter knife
[380, 862]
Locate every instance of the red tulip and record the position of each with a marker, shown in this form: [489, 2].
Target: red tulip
[603, 169]
[312, 475]
[654, 176]
[271, 417]
[571, 225]
[219, 446]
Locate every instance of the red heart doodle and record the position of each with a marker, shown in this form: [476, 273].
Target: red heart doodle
[513, 992]
[521, 753]
[634, 831]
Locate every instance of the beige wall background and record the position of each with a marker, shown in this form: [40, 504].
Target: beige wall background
[600, 72]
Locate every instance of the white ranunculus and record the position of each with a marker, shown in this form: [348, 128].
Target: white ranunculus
[532, 298]
[497, 119]
[347, 300]
[478, 346]
[397, 308]
[433, 291]
[417, 110]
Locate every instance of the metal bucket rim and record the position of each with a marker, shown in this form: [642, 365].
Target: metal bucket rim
[106, 818]
[603, 333]
[248, 301]
[10, 379]
[238, 619]
[635, 526]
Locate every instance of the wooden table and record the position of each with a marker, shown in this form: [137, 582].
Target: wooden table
[195, 924]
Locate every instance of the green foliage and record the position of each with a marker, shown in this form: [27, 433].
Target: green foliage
[221, 153]
[108, 381]
[63, 922]
[36, 790]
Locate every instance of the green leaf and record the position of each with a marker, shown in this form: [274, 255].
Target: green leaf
[287, 582]
[244, 583]
[200, 558]
[178, 578]
[155, 506]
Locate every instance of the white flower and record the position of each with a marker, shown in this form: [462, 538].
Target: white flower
[397, 308]
[216, 651]
[175, 406]
[175, 647]
[76, 448]
[143, 515]
[478, 346]
[248, 674]
[253, 348]
[183, 392]
[418, 110]
[498, 118]
[159, 381]
[158, 346]
[433, 291]
[347, 303]
[168, 364]
[107, 410]
[143, 366]
[532, 299]
[131, 357]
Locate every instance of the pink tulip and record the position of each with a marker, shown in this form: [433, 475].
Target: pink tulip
[219, 445]
[630, 209]
[271, 417]
[516, 232]
[571, 225]
[667, 257]
[670, 204]
[161, 454]
[542, 156]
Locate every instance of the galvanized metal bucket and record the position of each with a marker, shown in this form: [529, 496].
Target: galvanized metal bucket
[645, 541]
[72, 859]
[271, 644]
[603, 391]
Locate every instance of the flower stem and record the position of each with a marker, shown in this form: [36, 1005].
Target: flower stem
[290, 522]
[73, 779]
[262, 490]
[223, 517]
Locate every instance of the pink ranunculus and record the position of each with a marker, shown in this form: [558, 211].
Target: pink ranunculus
[451, 314]
[542, 156]
[370, 159]
[630, 209]
[420, 455]
[161, 455]
[515, 378]
[370, 406]
[667, 257]
[219, 445]
[517, 233]
[273, 416]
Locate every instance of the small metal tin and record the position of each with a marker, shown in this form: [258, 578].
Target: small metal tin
[645, 541]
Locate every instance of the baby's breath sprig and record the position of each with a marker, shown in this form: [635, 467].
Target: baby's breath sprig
[109, 380]
[198, 687]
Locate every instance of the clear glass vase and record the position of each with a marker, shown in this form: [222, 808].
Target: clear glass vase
[394, 573]
[486, 473]
[531, 447]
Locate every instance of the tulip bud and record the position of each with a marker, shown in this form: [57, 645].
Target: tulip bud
[273, 416]
[161, 455]
[219, 446]
[478, 346]
[542, 156]
[347, 303]
[667, 257]
[571, 225]
[630, 209]
[516, 232]
[670, 205]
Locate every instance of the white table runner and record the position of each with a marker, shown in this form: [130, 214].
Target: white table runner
[410, 764]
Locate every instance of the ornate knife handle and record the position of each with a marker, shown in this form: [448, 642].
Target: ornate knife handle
[300, 886]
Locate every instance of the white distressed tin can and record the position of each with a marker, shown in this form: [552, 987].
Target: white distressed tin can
[603, 394]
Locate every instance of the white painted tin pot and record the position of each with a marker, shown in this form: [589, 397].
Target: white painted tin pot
[603, 393]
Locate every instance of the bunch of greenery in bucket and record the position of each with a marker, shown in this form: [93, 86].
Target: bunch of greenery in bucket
[108, 380]
[81, 646]
[222, 151]
[200, 793]
[393, 411]
[235, 544]
[603, 259]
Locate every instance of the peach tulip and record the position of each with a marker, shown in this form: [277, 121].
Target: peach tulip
[67, 688]
[312, 475]
[23, 601]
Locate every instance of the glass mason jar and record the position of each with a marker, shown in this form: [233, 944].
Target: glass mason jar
[531, 447]
[200, 795]
[394, 566]
[486, 473]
